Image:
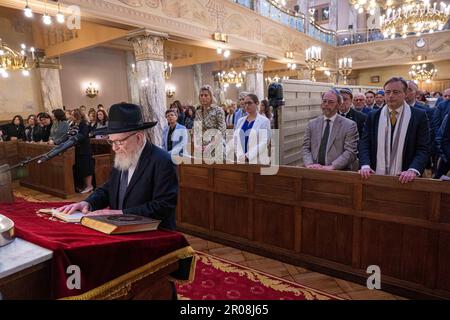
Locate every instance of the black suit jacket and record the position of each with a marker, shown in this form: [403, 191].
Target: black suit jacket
[417, 145]
[152, 191]
[359, 118]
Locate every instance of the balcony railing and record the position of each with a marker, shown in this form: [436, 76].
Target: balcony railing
[295, 21]
[300, 23]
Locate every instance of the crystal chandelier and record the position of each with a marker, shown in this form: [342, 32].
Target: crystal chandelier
[422, 72]
[414, 17]
[366, 5]
[231, 77]
[13, 60]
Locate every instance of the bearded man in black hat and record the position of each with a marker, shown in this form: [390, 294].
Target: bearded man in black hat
[143, 181]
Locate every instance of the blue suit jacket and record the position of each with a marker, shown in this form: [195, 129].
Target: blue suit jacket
[438, 116]
[237, 115]
[445, 142]
[417, 145]
[179, 139]
[152, 191]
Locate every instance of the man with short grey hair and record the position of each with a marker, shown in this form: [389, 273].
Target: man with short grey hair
[330, 141]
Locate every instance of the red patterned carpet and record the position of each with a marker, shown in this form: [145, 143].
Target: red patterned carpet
[219, 279]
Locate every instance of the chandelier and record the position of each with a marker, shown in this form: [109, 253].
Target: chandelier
[167, 70]
[422, 72]
[414, 17]
[366, 5]
[13, 60]
[231, 77]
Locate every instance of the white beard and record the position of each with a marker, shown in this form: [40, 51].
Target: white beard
[123, 163]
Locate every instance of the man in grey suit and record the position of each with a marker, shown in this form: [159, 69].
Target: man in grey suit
[330, 141]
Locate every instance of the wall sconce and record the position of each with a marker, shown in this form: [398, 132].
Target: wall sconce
[170, 91]
[92, 90]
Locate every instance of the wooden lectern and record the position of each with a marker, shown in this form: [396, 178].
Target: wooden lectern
[6, 194]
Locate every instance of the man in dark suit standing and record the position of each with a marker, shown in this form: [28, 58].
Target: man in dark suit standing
[346, 110]
[143, 181]
[396, 138]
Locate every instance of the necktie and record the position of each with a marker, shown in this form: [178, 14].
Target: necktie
[323, 144]
[393, 118]
[123, 188]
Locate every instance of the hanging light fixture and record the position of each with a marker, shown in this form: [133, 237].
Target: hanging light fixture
[231, 77]
[46, 18]
[422, 72]
[59, 16]
[14, 60]
[415, 17]
[27, 10]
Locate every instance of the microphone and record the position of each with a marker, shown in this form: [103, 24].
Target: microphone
[59, 149]
[73, 131]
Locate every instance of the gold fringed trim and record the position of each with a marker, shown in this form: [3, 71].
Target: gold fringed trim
[122, 285]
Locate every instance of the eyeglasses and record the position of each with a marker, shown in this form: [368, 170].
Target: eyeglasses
[248, 103]
[359, 99]
[119, 142]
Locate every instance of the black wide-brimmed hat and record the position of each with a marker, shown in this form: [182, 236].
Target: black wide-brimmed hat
[124, 117]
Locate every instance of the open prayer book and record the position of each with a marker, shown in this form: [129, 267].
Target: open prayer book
[72, 218]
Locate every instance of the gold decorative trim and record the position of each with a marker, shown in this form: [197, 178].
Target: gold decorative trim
[121, 286]
[281, 285]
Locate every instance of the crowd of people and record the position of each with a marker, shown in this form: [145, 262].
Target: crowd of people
[56, 128]
[393, 131]
[390, 131]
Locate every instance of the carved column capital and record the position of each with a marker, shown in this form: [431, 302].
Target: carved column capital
[254, 63]
[50, 63]
[148, 45]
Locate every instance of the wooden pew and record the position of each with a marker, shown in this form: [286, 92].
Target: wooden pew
[103, 159]
[54, 176]
[330, 222]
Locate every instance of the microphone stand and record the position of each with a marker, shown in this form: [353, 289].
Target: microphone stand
[22, 163]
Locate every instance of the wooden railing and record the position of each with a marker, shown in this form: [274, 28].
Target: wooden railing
[331, 222]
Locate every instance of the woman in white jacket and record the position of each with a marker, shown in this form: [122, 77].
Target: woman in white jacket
[252, 133]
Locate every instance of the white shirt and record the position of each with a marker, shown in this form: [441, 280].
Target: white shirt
[132, 169]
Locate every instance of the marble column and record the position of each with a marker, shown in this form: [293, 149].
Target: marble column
[254, 79]
[198, 82]
[133, 84]
[48, 70]
[149, 52]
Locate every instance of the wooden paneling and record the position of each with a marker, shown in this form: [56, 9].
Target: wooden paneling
[196, 207]
[407, 203]
[274, 224]
[444, 262]
[445, 208]
[327, 192]
[54, 176]
[276, 187]
[231, 215]
[195, 176]
[226, 180]
[335, 222]
[327, 235]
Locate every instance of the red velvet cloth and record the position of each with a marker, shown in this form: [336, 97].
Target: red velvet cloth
[219, 279]
[101, 257]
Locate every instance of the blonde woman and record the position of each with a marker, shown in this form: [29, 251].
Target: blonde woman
[210, 118]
